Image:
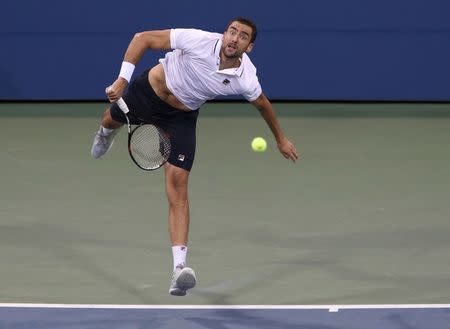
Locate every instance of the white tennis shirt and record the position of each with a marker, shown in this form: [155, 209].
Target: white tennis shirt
[192, 69]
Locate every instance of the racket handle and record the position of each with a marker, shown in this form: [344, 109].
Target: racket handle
[122, 105]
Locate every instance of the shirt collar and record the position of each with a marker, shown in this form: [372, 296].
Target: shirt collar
[231, 71]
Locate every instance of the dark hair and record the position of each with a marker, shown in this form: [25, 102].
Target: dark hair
[247, 22]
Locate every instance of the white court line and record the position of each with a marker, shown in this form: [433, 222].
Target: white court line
[330, 308]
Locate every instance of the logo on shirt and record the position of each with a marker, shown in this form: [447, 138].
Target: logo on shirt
[181, 157]
[226, 82]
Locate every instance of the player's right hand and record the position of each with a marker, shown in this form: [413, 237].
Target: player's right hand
[115, 91]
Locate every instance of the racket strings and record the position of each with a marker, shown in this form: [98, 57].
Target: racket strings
[149, 146]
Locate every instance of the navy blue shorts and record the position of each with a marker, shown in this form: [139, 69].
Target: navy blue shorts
[146, 107]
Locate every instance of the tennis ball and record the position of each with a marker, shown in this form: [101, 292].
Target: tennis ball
[259, 144]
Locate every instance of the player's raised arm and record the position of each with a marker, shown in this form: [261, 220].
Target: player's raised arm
[158, 39]
[285, 146]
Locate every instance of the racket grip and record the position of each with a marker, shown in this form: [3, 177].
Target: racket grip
[122, 105]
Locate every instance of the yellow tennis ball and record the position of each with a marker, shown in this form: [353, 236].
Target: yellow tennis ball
[259, 144]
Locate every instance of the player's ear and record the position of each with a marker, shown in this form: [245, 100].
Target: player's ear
[249, 47]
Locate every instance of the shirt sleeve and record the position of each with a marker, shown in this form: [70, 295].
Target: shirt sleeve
[253, 91]
[185, 39]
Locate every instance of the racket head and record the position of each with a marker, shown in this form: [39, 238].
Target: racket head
[149, 146]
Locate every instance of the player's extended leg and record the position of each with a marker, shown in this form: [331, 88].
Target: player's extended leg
[104, 137]
[177, 196]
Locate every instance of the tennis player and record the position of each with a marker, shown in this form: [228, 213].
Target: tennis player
[201, 66]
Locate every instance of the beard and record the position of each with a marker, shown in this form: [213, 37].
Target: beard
[231, 53]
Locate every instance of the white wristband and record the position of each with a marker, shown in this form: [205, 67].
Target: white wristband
[126, 71]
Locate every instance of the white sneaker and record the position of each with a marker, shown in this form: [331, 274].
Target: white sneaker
[183, 278]
[102, 143]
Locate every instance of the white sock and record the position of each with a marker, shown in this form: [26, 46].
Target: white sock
[106, 131]
[179, 255]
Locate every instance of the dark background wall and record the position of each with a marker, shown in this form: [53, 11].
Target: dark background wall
[306, 50]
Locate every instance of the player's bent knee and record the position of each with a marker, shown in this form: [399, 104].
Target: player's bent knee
[108, 121]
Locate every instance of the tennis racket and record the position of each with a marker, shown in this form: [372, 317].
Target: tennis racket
[148, 144]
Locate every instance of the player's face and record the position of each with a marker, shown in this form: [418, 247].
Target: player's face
[236, 40]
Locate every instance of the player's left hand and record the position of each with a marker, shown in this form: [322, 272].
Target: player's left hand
[287, 149]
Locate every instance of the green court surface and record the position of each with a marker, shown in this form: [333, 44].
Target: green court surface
[362, 218]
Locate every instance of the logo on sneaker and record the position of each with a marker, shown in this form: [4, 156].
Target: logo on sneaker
[181, 266]
[181, 157]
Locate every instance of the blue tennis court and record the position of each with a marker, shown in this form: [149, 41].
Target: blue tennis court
[48, 316]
